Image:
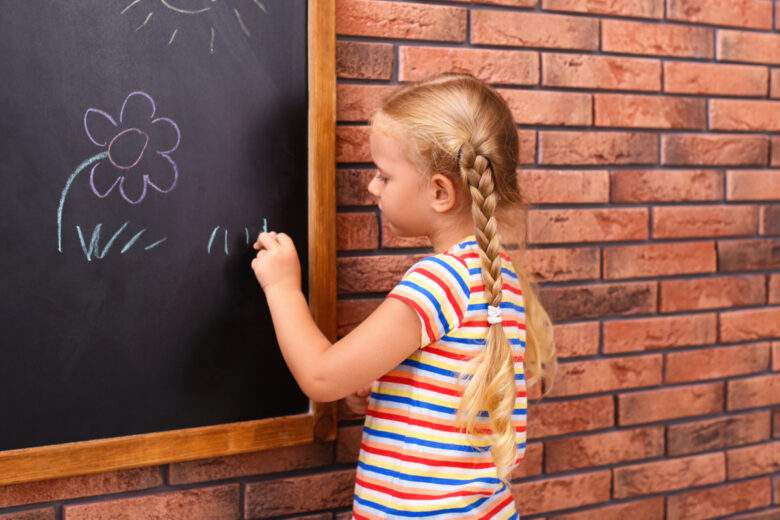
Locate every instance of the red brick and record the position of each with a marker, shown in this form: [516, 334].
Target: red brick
[372, 273]
[562, 492]
[740, 13]
[712, 293]
[527, 146]
[656, 39]
[362, 60]
[256, 463]
[767, 514]
[348, 444]
[400, 20]
[752, 47]
[646, 509]
[525, 29]
[351, 313]
[704, 221]
[659, 259]
[670, 474]
[541, 107]
[557, 417]
[600, 72]
[712, 363]
[753, 460]
[775, 161]
[753, 185]
[776, 357]
[638, 8]
[718, 433]
[352, 187]
[719, 501]
[493, 66]
[31, 514]
[595, 301]
[750, 324]
[653, 405]
[352, 144]
[287, 496]
[564, 186]
[774, 288]
[686, 77]
[562, 147]
[774, 83]
[640, 334]
[356, 231]
[665, 185]
[754, 391]
[748, 255]
[390, 239]
[769, 220]
[739, 114]
[649, 111]
[80, 486]
[603, 375]
[562, 264]
[586, 225]
[576, 339]
[358, 102]
[511, 3]
[212, 502]
[603, 448]
[720, 149]
[532, 461]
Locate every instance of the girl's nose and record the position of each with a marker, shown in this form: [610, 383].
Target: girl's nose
[373, 187]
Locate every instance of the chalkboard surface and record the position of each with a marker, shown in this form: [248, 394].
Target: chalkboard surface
[145, 143]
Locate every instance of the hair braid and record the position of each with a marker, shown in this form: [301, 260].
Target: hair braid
[492, 373]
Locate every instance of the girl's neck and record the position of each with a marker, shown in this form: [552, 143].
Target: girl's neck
[442, 240]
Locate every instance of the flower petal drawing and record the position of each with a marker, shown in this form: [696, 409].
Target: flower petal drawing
[128, 160]
[169, 134]
[128, 188]
[104, 180]
[99, 126]
[138, 108]
[164, 179]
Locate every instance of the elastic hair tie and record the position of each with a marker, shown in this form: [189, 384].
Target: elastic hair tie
[494, 314]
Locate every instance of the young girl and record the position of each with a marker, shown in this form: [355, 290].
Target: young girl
[445, 354]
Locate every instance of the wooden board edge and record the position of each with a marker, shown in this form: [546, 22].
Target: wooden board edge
[149, 449]
[322, 186]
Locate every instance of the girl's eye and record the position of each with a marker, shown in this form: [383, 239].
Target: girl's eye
[381, 177]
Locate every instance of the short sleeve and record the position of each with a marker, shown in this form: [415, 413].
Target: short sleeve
[437, 289]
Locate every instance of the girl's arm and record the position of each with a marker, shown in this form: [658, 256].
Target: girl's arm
[325, 371]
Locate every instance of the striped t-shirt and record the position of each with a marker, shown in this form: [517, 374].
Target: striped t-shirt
[414, 461]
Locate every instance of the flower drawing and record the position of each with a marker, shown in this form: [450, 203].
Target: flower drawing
[137, 149]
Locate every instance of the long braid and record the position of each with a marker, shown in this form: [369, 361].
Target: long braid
[491, 385]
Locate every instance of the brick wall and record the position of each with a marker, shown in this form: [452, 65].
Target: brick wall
[648, 135]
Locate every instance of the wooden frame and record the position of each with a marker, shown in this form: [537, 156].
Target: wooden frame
[132, 451]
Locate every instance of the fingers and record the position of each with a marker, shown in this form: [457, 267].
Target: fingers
[266, 240]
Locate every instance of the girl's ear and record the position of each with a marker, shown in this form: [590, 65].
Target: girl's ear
[443, 193]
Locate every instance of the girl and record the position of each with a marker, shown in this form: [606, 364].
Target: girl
[445, 353]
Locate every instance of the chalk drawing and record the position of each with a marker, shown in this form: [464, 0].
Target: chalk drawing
[129, 162]
[225, 236]
[195, 7]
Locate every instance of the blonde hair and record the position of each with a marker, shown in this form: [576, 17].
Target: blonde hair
[460, 127]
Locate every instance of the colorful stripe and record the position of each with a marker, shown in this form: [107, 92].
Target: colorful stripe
[415, 460]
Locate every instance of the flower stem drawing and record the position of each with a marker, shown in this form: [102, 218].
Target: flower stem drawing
[70, 180]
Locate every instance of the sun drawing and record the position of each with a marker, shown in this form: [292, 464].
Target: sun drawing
[193, 7]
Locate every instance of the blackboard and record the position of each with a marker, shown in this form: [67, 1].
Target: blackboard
[145, 143]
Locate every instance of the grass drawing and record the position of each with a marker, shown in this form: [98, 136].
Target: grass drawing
[94, 250]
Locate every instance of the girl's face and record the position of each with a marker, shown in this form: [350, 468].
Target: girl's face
[401, 198]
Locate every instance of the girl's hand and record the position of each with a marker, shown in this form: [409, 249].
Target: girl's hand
[276, 264]
[358, 402]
